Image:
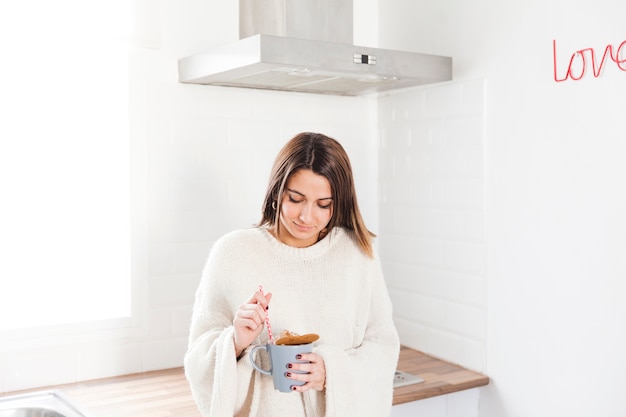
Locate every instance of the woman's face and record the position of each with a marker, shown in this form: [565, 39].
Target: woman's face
[306, 209]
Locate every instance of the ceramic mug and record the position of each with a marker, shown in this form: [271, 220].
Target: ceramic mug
[280, 357]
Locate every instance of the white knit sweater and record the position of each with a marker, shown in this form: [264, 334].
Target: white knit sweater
[331, 288]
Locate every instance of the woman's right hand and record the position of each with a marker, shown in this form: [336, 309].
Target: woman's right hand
[249, 320]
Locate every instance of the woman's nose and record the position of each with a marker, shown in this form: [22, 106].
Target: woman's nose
[304, 213]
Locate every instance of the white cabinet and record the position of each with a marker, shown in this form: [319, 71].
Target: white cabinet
[458, 404]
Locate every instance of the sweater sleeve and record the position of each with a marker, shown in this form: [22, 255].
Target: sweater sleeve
[217, 380]
[359, 381]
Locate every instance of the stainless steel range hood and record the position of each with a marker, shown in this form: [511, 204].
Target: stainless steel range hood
[306, 46]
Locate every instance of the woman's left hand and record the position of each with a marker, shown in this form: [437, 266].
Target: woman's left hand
[315, 378]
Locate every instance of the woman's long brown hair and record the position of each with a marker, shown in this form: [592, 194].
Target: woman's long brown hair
[324, 156]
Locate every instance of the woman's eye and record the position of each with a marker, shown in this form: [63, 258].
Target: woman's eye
[295, 200]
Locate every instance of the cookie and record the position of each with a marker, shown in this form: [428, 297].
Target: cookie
[288, 338]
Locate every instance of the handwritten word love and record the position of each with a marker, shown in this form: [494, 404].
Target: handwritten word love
[578, 63]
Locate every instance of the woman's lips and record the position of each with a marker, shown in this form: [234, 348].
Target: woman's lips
[303, 228]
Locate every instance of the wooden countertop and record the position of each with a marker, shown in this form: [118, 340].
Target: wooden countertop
[163, 393]
[166, 393]
[440, 377]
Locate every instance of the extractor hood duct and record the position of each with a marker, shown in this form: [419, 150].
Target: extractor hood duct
[306, 46]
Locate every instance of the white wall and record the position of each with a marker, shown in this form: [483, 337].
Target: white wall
[555, 195]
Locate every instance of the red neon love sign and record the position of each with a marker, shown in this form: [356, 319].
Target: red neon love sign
[577, 66]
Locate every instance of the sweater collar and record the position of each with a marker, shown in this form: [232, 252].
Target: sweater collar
[310, 252]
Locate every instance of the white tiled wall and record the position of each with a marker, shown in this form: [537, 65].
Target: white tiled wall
[431, 161]
[200, 170]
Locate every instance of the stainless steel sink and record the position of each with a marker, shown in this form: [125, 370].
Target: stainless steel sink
[29, 412]
[401, 379]
[50, 403]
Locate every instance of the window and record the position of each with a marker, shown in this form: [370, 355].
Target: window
[64, 162]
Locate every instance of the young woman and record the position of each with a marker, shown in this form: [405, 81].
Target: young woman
[313, 254]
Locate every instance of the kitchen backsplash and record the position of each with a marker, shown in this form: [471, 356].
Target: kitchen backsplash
[432, 218]
[201, 158]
